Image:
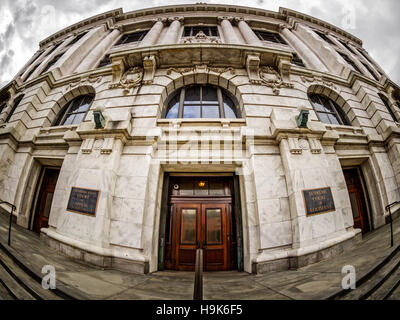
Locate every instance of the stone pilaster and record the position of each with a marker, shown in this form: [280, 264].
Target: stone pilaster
[153, 34]
[97, 53]
[172, 34]
[228, 31]
[247, 33]
[306, 54]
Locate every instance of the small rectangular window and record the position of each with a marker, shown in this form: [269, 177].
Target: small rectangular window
[269, 36]
[349, 61]
[52, 62]
[325, 37]
[297, 60]
[106, 61]
[191, 31]
[131, 37]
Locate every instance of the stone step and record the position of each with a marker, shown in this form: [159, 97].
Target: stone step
[32, 286]
[390, 284]
[13, 287]
[375, 280]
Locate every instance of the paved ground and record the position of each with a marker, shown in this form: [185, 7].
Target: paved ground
[317, 281]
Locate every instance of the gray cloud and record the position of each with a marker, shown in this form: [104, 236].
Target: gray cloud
[377, 24]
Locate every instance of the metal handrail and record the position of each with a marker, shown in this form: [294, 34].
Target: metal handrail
[11, 215]
[198, 277]
[391, 220]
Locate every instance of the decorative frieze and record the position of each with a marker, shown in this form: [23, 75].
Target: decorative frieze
[130, 79]
[317, 80]
[201, 69]
[298, 144]
[201, 37]
[90, 80]
[104, 145]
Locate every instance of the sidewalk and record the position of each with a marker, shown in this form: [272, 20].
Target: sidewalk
[83, 281]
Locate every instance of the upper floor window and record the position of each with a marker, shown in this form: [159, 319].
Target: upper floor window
[52, 62]
[77, 38]
[75, 111]
[132, 37]
[269, 36]
[370, 71]
[106, 61]
[297, 60]
[324, 37]
[347, 46]
[201, 101]
[191, 31]
[387, 105]
[328, 111]
[349, 61]
[14, 107]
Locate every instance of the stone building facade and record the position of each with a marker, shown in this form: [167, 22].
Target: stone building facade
[269, 139]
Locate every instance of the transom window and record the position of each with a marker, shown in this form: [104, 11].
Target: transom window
[201, 101]
[269, 36]
[132, 37]
[328, 111]
[75, 111]
[191, 31]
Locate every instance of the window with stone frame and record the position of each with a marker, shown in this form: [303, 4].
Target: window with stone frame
[52, 62]
[324, 37]
[77, 38]
[201, 101]
[131, 37]
[297, 60]
[74, 111]
[328, 111]
[349, 61]
[387, 105]
[270, 36]
[14, 107]
[106, 61]
[192, 31]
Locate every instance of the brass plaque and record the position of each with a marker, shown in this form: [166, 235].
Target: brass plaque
[83, 201]
[318, 201]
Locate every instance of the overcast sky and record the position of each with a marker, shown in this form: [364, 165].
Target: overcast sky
[24, 23]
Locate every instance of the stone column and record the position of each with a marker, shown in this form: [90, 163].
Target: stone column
[154, 33]
[35, 61]
[93, 57]
[172, 33]
[248, 34]
[228, 31]
[307, 55]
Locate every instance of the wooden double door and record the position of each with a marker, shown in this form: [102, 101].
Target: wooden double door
[357, 199]
[200, 225]
[45, 198]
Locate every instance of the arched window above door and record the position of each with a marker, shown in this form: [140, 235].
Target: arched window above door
[75, 111]
[201, 101]
[328, 111]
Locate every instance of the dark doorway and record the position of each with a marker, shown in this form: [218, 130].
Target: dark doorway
[357, 199]
[45, 198]
[200, 214]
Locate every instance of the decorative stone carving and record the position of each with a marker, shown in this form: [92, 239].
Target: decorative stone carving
[87, 145]
[149, 65]
[84, 80]
[315, 145]
[130, 79]
[107, 146]
[252, 66]
[303, 144]
[118, 69]
[294, 146]
[271, 78]
[201, 68]
[317, 80]
[201, 37]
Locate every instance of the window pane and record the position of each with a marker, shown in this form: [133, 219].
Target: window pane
[214, 226]
[211, 111]
[192, 95]
[323, 117]
[68, 120]
[191, 112]
[173, 111]
[229, 113]
[333, 119]
[209, 95]
[188, 233]
[78, 118]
